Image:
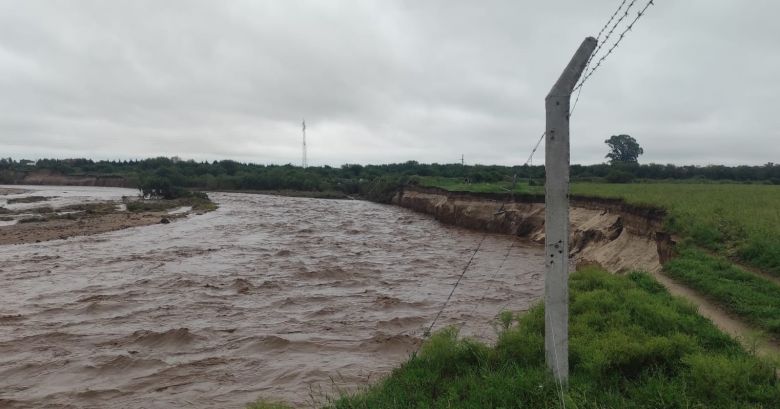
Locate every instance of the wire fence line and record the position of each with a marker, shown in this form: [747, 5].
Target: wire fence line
[427, 332]
[615, 45]
[491, 281]
[588, 72]
[601, 43]
[598, 37]
[533, 151]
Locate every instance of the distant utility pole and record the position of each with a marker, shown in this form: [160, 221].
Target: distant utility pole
[304, 163]
[462, 160]
[556, 215]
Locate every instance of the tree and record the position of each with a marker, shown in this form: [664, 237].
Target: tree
[623, 149]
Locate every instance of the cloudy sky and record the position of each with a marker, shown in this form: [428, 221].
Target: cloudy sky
[381, 81]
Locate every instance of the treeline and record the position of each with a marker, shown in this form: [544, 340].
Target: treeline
[361, 179]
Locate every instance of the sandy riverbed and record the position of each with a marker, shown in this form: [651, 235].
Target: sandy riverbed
[33, 214]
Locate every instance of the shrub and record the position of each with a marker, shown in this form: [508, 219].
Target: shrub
[619, 176]
[632, 346]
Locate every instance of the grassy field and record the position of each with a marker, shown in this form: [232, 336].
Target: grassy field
[741, 221]
[459, 185]
[753, 298]
[735, 220]
[631, 346]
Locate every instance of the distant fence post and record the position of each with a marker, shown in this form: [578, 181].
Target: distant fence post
[556, 219]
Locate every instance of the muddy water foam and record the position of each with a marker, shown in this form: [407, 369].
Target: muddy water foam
[268, 296]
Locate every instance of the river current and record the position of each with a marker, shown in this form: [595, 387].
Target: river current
[288, 299]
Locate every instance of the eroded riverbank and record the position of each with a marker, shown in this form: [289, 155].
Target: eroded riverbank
[267, 296]
[608, 232]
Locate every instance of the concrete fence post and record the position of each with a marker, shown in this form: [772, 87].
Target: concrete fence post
[556, 219]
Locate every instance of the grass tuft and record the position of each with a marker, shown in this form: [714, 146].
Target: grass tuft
[631, 346]
[745, 294]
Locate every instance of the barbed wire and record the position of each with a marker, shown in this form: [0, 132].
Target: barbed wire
[492, 279]
[610, 19]
[533, 151]
[614, 46]
[611, 30]
[588, 74]
[585, 77]
[599, 44]
[427, 333]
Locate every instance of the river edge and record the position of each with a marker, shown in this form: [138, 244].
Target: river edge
[46, 221]
[594, 228]
[610, 233]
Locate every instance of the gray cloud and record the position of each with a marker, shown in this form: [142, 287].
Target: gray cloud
[380, 81]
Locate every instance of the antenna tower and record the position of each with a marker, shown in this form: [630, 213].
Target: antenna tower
[304, 162]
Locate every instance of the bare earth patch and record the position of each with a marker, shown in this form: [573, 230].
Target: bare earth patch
[54, 229]
[4, 191]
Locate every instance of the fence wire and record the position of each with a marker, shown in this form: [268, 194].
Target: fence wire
[601, 43]
[615, 45]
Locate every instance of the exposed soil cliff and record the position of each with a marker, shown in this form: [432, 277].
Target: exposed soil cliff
[616, 235]
[45, 177]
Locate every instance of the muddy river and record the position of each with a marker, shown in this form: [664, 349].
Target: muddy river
[274, 297]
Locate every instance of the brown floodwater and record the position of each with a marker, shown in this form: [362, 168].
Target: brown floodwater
[283, 298]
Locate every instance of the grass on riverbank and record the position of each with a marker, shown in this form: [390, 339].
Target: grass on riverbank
[199, 202]
[460, 185]
[631, 346]
[734, 220]
[28, 199]
[745, 294]
[328, 194]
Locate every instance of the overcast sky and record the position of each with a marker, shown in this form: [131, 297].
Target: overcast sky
[696, 81]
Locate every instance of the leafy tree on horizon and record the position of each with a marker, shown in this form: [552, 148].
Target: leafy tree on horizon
[623, 149]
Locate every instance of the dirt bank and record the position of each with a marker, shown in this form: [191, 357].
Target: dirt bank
[618, 236]
[82, 225]
[609, 232]
[42, 213]
[266, 297]
[11, 191]
[46, 177]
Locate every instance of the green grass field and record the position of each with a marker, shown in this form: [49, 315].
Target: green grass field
[753, 298]
[459, 185]
[631, 346]
[735, 221]
[740, 221]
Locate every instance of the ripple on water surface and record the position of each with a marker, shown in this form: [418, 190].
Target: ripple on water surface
[267, 296]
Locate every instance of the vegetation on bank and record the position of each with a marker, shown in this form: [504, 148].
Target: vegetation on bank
[350, 178]
[739, 221]
[461, 185]
[745, 294]
[632, 345]
[27, 199]
[734, 220]
[197, 202]
[159, 194]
